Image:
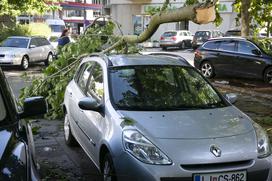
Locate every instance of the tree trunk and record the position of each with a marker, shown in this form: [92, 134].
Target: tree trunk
[245, 17]
[268, 29]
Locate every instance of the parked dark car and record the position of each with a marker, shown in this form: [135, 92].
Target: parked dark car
[202, 36]
[234, 56]
[17, 154]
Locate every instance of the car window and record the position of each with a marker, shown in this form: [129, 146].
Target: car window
[2, 109]
[246, 47]
[34, 41]
[161, 87]
[227, 46]
[211, 45]
[95, 87]
[169, 34]
[44, 41]
[84, 76]
[16, 42]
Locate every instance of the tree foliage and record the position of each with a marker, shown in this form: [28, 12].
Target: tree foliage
[259, 14]
[17, 7]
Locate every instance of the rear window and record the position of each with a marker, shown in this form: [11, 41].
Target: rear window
[203, 34]
[169, 34]
[2, 109]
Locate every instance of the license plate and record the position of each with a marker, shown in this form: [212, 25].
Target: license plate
[224, 176]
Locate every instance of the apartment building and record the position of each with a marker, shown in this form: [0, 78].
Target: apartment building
[75, 13]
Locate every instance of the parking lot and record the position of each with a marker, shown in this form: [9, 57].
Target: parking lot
[59, 162]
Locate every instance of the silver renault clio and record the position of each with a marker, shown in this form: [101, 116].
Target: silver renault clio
[156, 118]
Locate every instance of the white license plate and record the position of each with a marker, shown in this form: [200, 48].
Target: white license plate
[224, 176]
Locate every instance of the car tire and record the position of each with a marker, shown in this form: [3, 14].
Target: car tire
[108, 169]
[268, 75]
[207, 69]
[24, 63]
[183, 45]
[68, 136]
[49, 59]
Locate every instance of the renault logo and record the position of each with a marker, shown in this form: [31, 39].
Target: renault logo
[215, 150]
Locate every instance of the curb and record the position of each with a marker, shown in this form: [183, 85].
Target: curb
[244, 91]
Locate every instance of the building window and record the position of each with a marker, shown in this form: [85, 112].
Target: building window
[183, 25]
[96, 13]
[97, 1]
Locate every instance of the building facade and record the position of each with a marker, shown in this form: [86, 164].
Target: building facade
[75, 13]
[133, 16]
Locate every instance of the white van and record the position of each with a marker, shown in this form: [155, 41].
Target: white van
[56, 25]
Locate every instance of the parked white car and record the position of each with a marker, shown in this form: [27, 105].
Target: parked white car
[180, 39]
[23, 50]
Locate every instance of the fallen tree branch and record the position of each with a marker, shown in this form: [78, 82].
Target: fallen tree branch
[201, 13]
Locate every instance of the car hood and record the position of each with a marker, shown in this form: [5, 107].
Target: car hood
[191, 124]
[12, 50]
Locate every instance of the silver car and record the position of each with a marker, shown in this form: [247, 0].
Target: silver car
[21, 50]
[156, 118]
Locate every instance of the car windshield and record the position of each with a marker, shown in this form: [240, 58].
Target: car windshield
[263, 45]
[16, 42]
[2, 109]
[161, 87]
[233, 33]
[169, 34]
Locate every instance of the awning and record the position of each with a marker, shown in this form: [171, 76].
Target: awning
[80, 6]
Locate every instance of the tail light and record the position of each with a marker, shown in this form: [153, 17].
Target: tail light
[161, 38]
[198, 54]
[174, 38]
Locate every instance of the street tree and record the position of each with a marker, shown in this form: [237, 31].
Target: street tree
[17, 7]
[102, 40]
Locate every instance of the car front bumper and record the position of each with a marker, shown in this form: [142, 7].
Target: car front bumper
[7, 61]
[128, 167]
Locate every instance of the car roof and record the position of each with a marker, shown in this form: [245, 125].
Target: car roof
[130, 60]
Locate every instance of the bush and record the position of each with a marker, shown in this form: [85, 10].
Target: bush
[18, 30]
[39, 29]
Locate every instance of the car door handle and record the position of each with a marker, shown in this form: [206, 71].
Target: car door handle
[70, 93]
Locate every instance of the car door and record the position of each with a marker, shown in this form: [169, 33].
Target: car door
[249, 64]
[34, 50]
[226, 57]
[76, 91]
[94, 120]
[45, 48]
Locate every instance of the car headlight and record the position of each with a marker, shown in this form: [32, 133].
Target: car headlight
[263, 144]
[141, 148]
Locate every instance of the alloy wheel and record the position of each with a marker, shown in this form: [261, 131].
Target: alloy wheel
[107, 171]
[25, 63]
[207, 70]
[269, 76]
[50, 58]
[66, 127]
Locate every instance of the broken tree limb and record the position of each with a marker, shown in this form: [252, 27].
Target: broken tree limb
[201, 13]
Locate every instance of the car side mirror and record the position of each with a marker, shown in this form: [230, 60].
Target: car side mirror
[34, 106]
[256, 52]
[231, 97]
[90, 104]
[32, 46]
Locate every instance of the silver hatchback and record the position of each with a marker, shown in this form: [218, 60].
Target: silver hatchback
[22, 50]
[156, 118]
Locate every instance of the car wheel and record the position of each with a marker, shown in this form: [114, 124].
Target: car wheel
[68, 136]
[268, 75]
[108, 169]
[24, 63]
[207, 69]
[49, 59]
[183, 45]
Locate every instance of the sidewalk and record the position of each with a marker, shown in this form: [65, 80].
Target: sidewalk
[56, 159]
